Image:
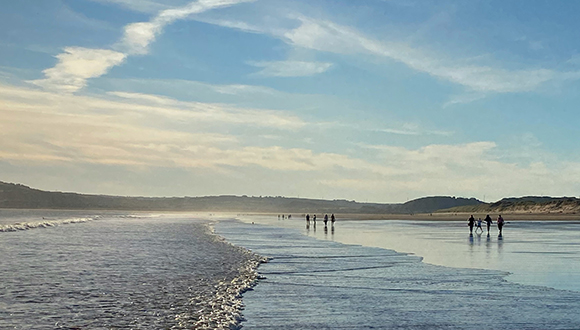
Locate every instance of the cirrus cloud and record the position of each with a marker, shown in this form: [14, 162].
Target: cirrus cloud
[77, 64]
[290, 68]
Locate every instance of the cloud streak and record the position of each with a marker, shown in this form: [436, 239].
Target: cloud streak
[148, 131]
[291, 68]
[76, 64]
[328, 36]
[138, 36]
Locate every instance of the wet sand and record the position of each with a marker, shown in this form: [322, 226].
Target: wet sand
[439, 216]
[316, 282]
[542, 253]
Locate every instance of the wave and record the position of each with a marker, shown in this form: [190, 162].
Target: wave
[225, 307]
[43, 224]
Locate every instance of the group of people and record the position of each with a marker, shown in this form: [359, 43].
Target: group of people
[332, 219]
[289, 216]
[471, 222]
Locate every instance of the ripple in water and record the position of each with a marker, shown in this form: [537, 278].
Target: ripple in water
[123, 273]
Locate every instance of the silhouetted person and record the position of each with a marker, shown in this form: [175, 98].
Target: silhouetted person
[500, 223]
[478, 226]
[470, 223]
[488, 221]
[325, 219]
[314, 218]
[308, 218]
[332, 219]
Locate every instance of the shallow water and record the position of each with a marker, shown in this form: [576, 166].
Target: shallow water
[321, 284]
[138, 271]
[533, 252]
[128, 272]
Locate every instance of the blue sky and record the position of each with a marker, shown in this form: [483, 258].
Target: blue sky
[382, 101]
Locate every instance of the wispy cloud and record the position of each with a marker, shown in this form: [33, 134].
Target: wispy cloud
[138, 36]
[237, 89]
[412, 129]
[149, 131]
[137, 129]
[146, 6]
[328, 36]
[464, 98]
[331, 37]
[212, 112]
[76, 64]
[290, 68]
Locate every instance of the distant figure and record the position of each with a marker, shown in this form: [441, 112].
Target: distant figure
[314, 218]
[332, 219]
[500, 223]
[471, 223]
[478, 226]
[325, 219]
[308, 218]
[488, 221]
[278, 217]
[289, 216]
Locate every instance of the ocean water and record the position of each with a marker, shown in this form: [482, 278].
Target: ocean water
[541, 253]
[314, 283]
[118, 272]
[110, 270]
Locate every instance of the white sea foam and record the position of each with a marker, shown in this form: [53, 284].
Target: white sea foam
[226, 304]
[43, 224]
[129, 271]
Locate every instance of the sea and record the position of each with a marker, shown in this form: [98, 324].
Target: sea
[123, 270]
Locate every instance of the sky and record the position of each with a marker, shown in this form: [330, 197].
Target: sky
[367, 100]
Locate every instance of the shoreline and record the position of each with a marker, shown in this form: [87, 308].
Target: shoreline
[299, 215]
[313, 270]
[437, 216]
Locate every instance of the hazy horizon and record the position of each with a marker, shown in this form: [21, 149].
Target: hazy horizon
[375, 101]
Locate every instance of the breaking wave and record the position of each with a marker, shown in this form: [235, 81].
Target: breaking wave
[224, 308]
[42, 224]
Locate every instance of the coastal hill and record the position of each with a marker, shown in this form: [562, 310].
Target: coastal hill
[22, 197]
[528, 204]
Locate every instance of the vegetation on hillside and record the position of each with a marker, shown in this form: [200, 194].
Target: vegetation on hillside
[20, 196]
[528, 204]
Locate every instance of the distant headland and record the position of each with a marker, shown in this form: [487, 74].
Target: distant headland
[19, 196]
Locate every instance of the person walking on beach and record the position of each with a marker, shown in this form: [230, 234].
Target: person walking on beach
[332, 219]
[308, 218]
[488, 221]
[500, 223]
[470, 223]
[479, 226]
[325, 219]
[314, 218]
